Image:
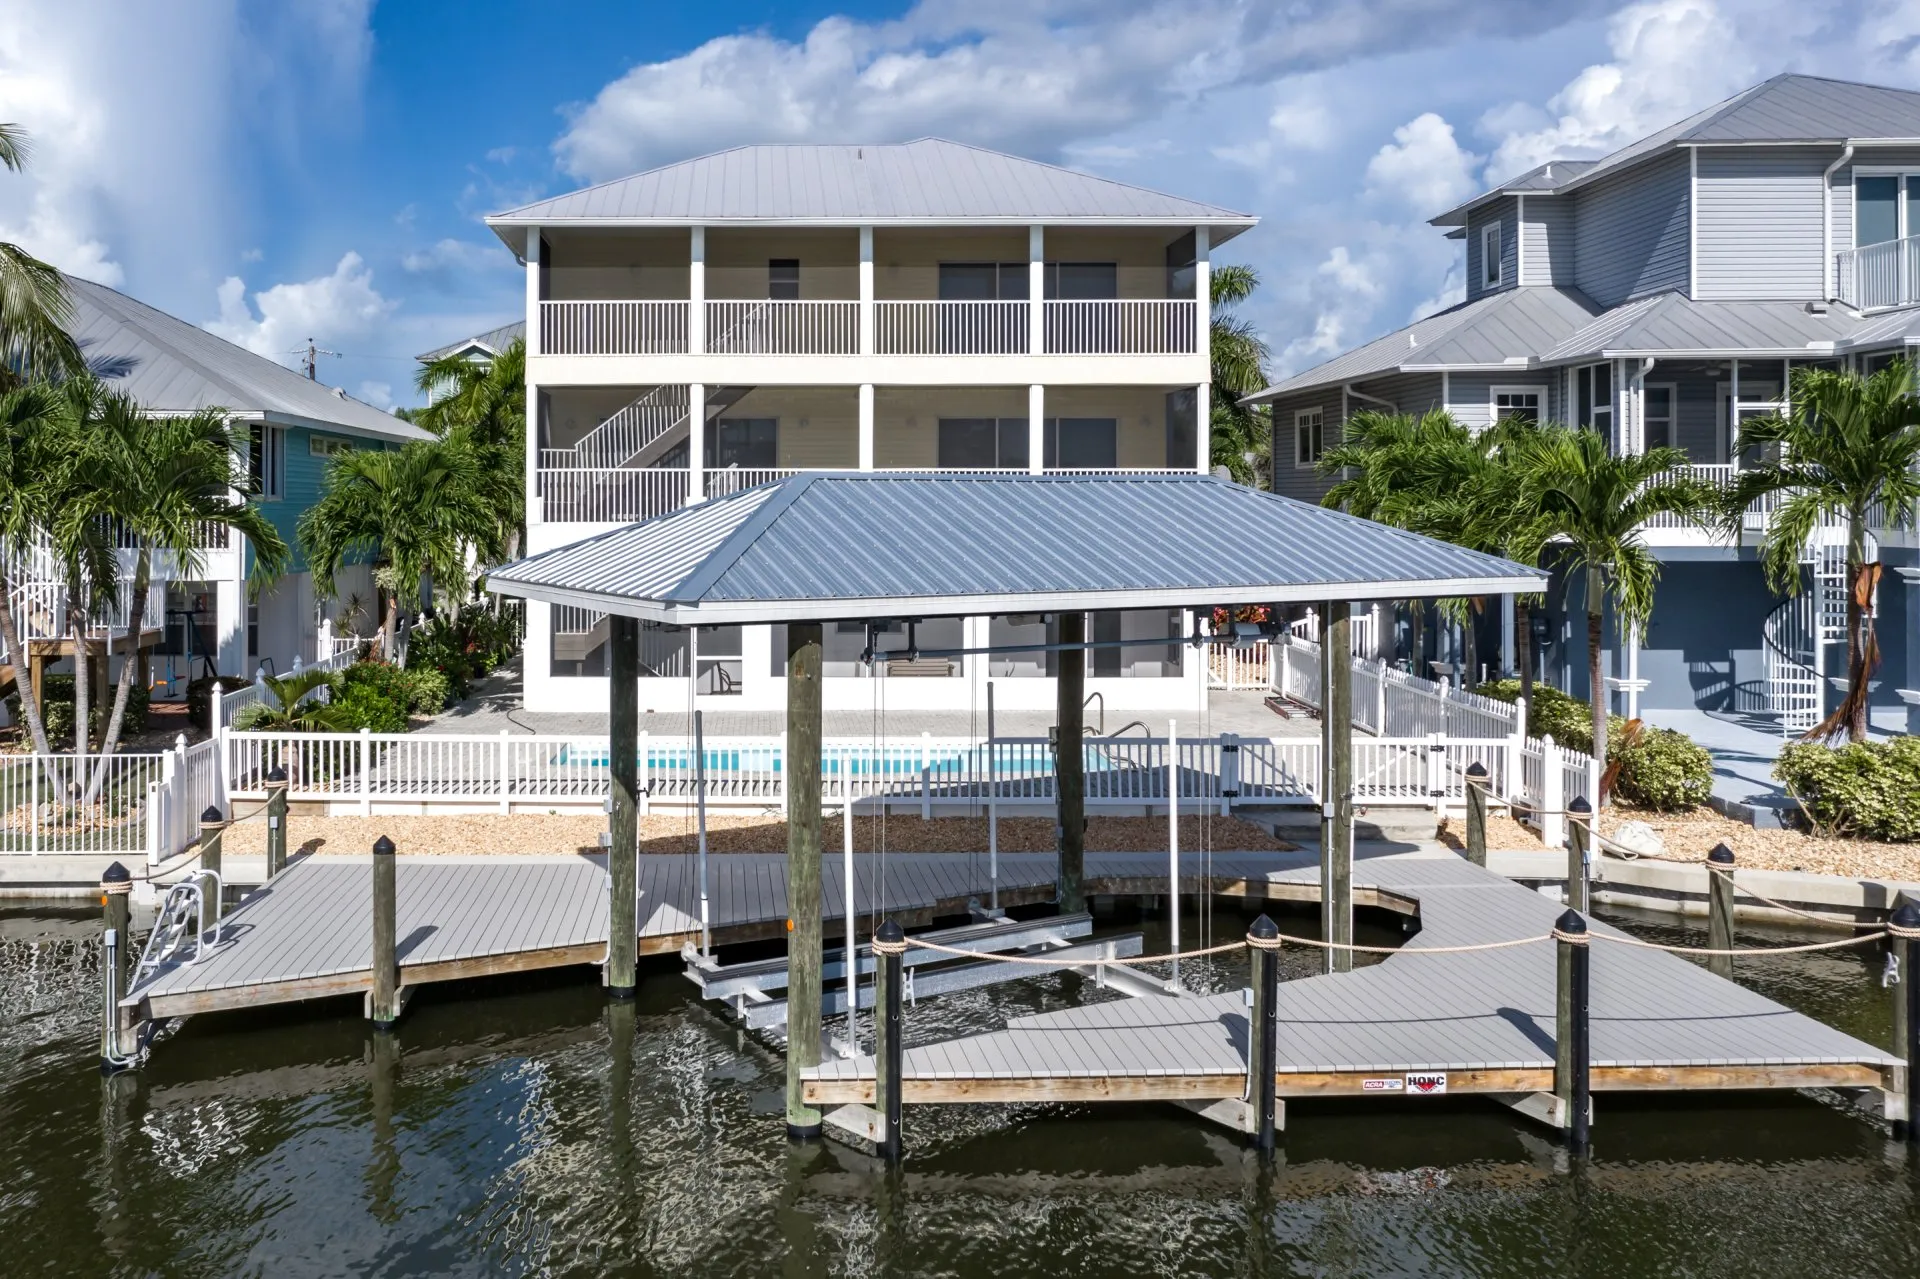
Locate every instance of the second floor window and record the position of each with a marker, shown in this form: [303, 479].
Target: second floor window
[1490, 256]
[1308, 437]
[783, 279]
[266, 460]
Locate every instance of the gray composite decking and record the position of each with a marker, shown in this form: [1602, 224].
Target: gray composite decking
[1485, 1011]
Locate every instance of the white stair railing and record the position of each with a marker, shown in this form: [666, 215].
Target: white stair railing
[622, 437]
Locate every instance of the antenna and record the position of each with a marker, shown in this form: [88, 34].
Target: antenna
[312, 359]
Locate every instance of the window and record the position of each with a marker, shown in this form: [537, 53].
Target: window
[328, 445]
[1083, 281]
[983, 281]
[750, 442]
[1593, 397]
[1517, 401]
[1307, 437]
[253, 633]
[1085, 442]
[1876, 202]
[266, 461]
[783, 279]
[983, 443]
[1660, 429]
[1490, 256]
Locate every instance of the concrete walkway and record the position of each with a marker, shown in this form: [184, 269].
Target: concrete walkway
[1744, 748]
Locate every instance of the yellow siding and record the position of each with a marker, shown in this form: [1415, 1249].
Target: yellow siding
[636, 265]
[829, 261]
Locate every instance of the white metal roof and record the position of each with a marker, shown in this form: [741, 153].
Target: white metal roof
[171, 366]
[931, 181]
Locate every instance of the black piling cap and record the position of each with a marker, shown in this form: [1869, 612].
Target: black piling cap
[383, 847]
[1908, 916]
[1263, 929]
[889, 932]
[1579, 805]
[1721, 855]
[277, 774]
[1571, 921]
[1477, 771]
[118, 874]
[211, 817]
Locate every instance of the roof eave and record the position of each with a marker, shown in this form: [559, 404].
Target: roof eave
[1235, 223]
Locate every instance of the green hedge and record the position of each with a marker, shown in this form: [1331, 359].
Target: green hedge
[379, 696]
[1659, 768]
[57, 710]
[1870, 790]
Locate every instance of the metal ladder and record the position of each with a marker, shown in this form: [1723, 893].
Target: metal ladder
[182, 924]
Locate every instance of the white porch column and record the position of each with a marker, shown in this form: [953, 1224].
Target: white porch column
[866, 426]
[1633, 674]
[866, 297]
[1036, 292]
[534, 514]
[230, 605]
[697, 291]
[696, 443]
[1509, 651]
[533, 292]
[1036, 428]
[1202, 292]
[1202, 427]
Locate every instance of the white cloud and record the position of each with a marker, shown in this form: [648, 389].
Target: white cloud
[1424, 167]
[328, 309]
[378, 394]
[1303, 122]
[456, 255]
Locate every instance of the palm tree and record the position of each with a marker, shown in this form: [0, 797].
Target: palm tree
[34, 307]
[1239, 436]
[1595, 503]
[486, 400]
[293, 709]
[162, 483]
[29, 452]
[1848, 444]
[419, 507]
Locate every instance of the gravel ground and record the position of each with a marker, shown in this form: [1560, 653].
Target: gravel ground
[1688, 837]
[673, 834]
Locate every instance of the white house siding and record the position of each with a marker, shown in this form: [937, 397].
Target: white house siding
[1760, 222]
[1630, 232]
[1501, 211]
[1547, 235]
[1470, 395]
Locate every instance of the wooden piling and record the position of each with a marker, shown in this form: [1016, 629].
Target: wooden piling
[804, 798]
[1572, 1056]
[623, 809]
[1579, 839]
[1336, 799]
[1069, 761]
[889, 944]
[383, 1001]
[276, 821]
[1905, 930]
[212, 835]
[116, 883]
[1263, 1044]
[1720, 910]
[1477, 780]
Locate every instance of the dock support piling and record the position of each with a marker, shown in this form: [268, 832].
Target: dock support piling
[1069, 761]
[889, 944]
[1263, 1047]
[1905, 928]
[212, 829]
[1336, 796]
[1477, 779]
[116, 884]
[276, 821]
[1720, 910]
[1579, 840]
[804, 925]
[623, 813]
[383, 1001]
[1571, 1054]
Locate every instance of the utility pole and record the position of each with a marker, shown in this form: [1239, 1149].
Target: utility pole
[312, 360]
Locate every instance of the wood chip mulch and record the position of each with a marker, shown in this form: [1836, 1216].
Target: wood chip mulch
[1688, 836]
[486, 833]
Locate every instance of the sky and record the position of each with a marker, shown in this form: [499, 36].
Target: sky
[319, 169]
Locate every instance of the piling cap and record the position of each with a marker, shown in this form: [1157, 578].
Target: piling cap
[277, 776]
[1579, 805]
[1906, 920]
[1262, 935]
[383, 847]
[1571, 923]
[116, 878]
[1476, 771]
[211, 817]
[889, 932]
[1721, 855]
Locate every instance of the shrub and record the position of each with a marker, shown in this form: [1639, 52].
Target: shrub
[1658, 767]
[57, 710]
[427, 690]
[1867, 789]
[368, 706]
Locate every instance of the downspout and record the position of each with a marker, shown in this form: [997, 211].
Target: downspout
[1826, 223]
[1350, 389]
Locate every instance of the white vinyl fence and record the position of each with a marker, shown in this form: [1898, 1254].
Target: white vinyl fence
[227, 705]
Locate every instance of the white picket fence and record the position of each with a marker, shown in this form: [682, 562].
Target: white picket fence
[227, 705]
[148, 807]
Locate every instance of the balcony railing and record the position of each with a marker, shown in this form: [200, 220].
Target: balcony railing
[1879, 275]
[777, 327]
[613, 328]
[1150, 326]
[951, 328]
[1760, 513]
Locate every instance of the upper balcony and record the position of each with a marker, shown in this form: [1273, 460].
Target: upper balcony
[844, 292]
[1875, 276]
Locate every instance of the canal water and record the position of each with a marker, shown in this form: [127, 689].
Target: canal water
[533, 1129]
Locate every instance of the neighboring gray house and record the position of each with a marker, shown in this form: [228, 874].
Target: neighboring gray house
[1663, 294]
[481, 346]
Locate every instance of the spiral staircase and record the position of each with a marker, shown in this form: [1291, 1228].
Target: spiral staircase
[1801, 629]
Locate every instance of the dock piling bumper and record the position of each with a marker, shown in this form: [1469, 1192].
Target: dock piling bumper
[1571, 1052]
[1720, 910]
[1579, 840]
[383, 1001]
[1477, 780]
[1905, 928]
[276, 821]
[1263, 1047]
[116, 885]
[889, 944]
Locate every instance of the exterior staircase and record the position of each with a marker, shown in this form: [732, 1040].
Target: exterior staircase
[1801, 630]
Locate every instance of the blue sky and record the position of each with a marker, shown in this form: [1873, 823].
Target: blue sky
[319, 168]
